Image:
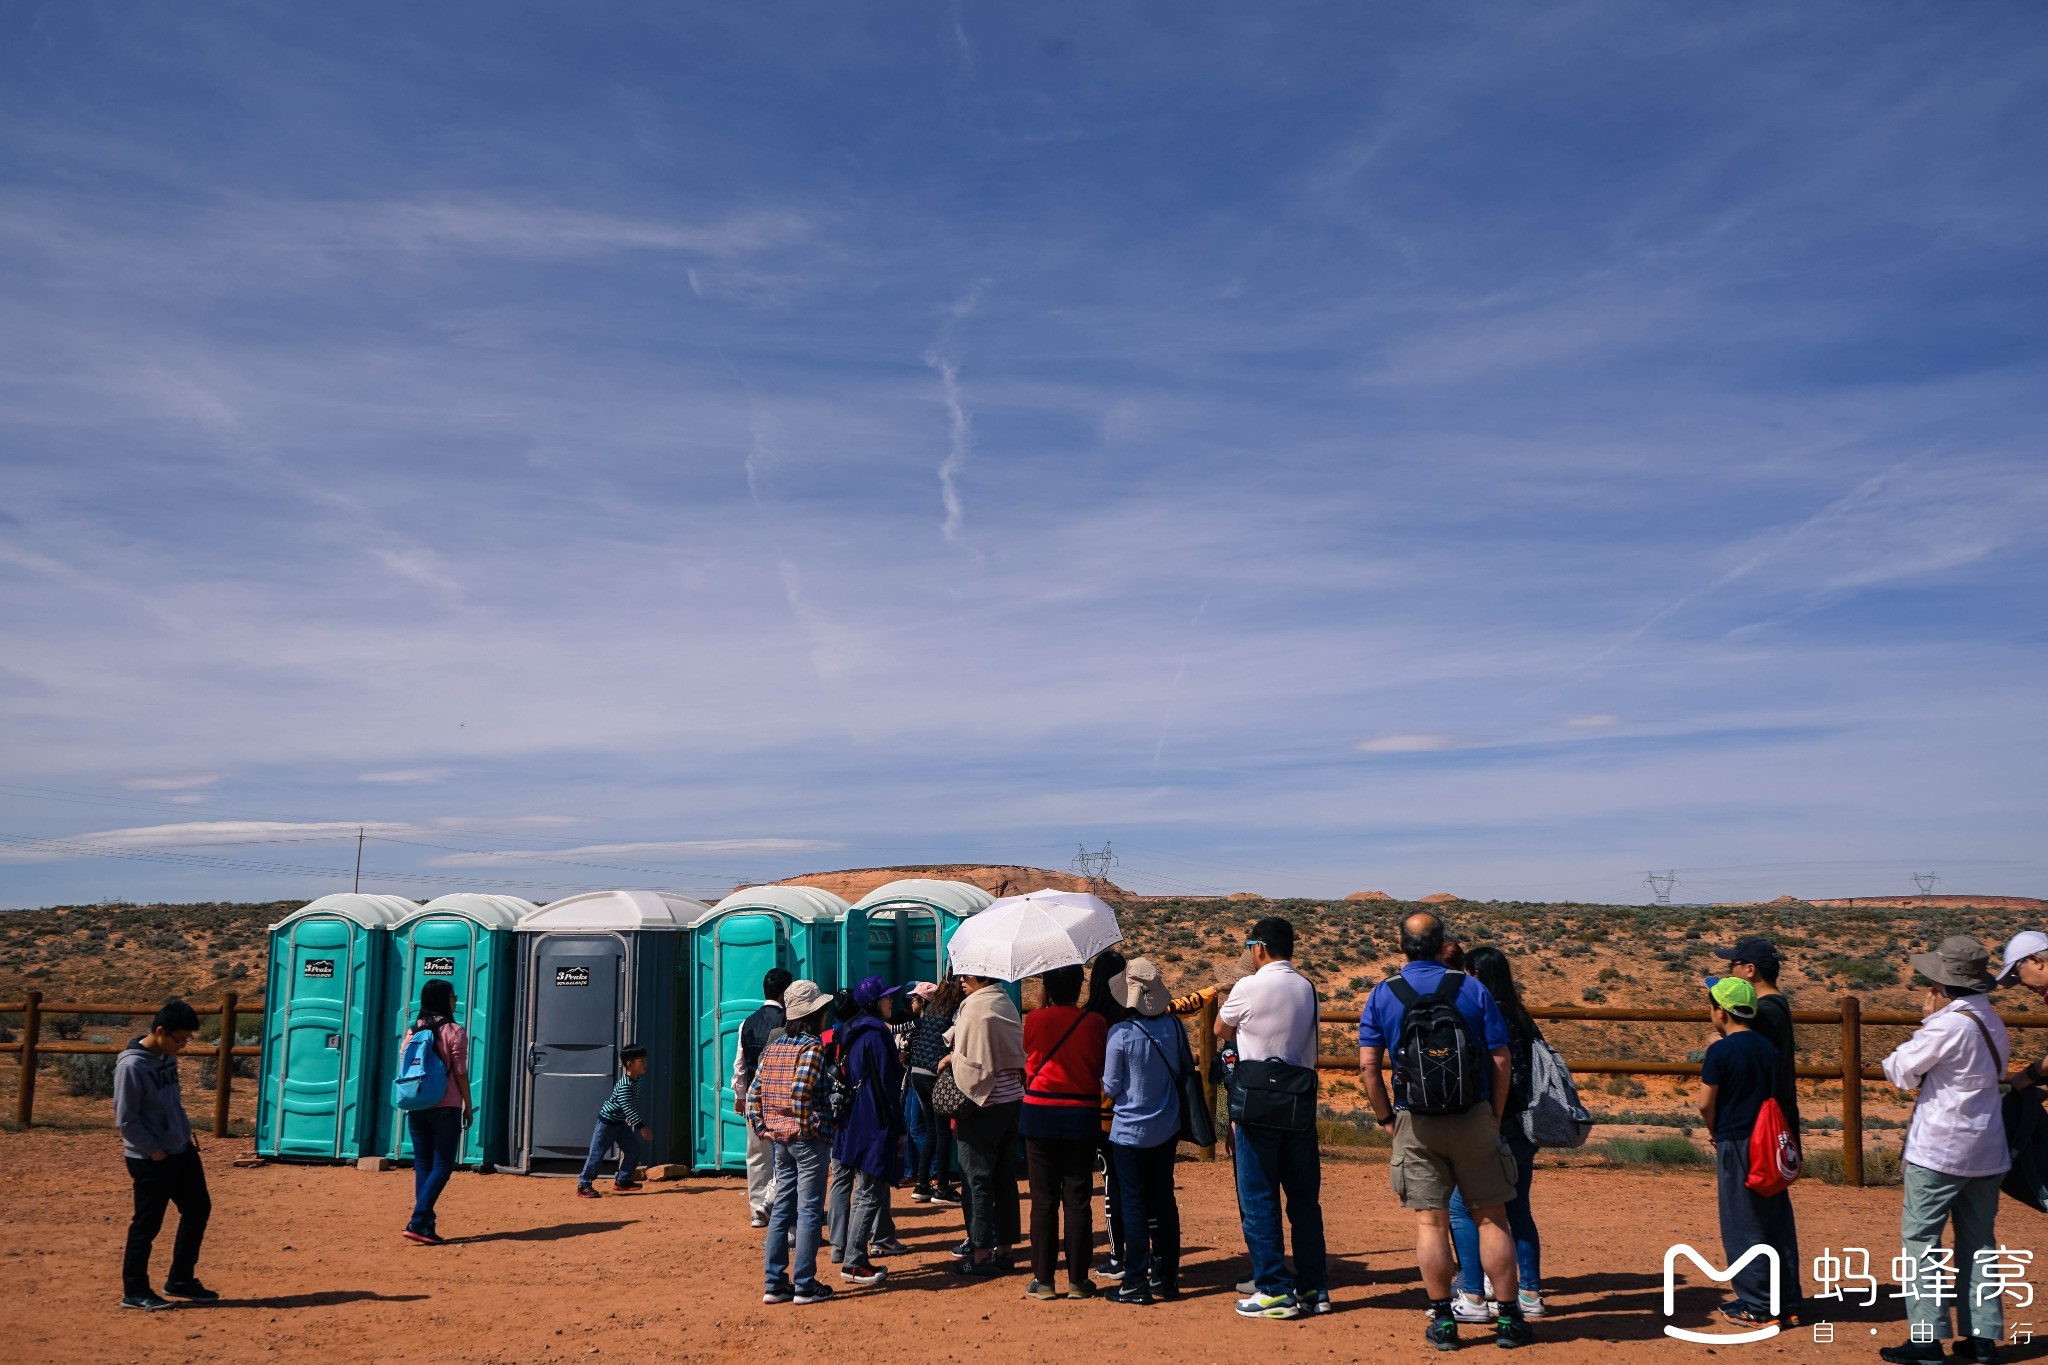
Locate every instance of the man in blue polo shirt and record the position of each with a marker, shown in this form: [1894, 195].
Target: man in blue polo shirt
[1436, 1153]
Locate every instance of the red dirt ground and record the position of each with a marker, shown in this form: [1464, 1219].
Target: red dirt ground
[313, 1267]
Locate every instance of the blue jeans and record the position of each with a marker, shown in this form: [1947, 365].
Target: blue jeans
[801, 1169]
[436, 1141]
[1521, 1222]
[917, 1131]
[1271, 1163]
[611, 1133]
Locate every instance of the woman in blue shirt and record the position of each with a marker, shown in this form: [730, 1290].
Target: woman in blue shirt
[1147, 1057]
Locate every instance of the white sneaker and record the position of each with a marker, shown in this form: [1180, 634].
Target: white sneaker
[1465, 1308]
[758, 1220]
[1531, 1301]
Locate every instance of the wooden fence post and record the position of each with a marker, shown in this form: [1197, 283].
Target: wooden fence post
[1852, 1090]
[1205, 1058]
[224, 1065]
[31, 1033]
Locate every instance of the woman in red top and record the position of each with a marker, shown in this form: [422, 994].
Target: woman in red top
[1063, 1049]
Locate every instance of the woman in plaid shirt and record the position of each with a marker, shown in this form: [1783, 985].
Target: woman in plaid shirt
[788, 1106]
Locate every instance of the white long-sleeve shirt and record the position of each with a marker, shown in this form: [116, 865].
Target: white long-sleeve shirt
[1958, 1124]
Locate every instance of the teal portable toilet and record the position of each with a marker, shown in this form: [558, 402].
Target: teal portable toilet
[322, 1012]
[597, 972]
[732, 946]
[899, 931]
[466, 940]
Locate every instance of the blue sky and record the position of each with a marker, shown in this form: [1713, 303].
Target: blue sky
[1489, 449]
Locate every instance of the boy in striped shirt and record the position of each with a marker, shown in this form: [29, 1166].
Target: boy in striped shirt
[619, 1124]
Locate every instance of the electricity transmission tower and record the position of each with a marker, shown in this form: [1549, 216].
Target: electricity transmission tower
[1660, 884]
[1925, 881]
[1094, 866]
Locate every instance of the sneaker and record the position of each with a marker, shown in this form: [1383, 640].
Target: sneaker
[1039, 1289]
[1530, 1301]
[1277, 1306]
[945, 1194]
[190, 1289]
[920, 1194]
[586, 1192]
[148, 1303]
[888, 1246]
[817, 1291]
[1130, 1293]
[781, 1294]
[1247, 1286]
[1912, 1353]
[626, 1186]
[1465, 1308]
[1111, 1269]
[425, 1239]
[977, 1270]
[1442, 1332]
[863, 1272]
[963, 1251]
[1743, 1317]
[757, 1220]
[1511, 1332]
[1081, 1289]
[1323, 1306]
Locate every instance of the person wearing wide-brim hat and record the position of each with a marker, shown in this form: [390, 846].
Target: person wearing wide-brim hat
[1145, 1063]
[1956, 1155]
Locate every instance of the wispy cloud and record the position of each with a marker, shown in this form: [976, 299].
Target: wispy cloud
[959, 443]
[653, 850]
[174, 782]
[407, 777]
[1424, 742]
[1597, 721]
[224, 834]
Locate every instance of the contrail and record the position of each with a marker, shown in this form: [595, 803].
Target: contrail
[1173, 693]
[959, 443]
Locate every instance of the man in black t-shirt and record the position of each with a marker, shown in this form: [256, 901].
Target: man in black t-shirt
[1756, 961]
[755, 1032]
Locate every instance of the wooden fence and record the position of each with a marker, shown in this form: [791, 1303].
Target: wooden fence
[31, 1048]
[1849, 1016]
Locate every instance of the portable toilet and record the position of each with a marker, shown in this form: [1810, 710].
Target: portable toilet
[900, 931]
[597, 972]
[732, 946]
[318, 1099]
[466, 940]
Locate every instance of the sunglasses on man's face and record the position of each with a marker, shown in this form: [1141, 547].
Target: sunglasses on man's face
[1255, 943]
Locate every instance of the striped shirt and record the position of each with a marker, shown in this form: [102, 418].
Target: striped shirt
[784, 1103]
[624, 1105]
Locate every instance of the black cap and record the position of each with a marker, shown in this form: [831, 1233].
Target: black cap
[1750, 950]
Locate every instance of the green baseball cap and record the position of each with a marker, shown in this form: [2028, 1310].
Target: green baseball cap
[1733, 994]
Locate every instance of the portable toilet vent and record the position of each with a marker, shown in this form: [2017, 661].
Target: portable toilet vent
[322, 1013]
[732, 946]
[466, 940]
[596, 973]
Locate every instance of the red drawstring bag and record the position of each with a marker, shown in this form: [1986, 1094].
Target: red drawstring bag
[1773, 1151]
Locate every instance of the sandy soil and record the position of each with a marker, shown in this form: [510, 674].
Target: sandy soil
[313, 1266]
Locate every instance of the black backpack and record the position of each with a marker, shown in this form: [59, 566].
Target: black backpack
[1439, 1067]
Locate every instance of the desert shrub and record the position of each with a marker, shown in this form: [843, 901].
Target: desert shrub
[1628, 1087]
[1593, 995]
[1660, 1151]
[1609, 974]
[66, 1026]
[1881, 1166]
[1349, 1130]
[1861, 971]
[1635, 1118]
[209, 1070]
[87, 1073]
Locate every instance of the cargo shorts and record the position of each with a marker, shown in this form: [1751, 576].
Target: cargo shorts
[1437, 1153]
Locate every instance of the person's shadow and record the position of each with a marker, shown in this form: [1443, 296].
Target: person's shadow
[553, 1232]
[325, 1298]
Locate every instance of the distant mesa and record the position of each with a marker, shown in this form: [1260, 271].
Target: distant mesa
[998, 879]
[1244, 896]
[1441, 898]
[1788, 900]
[1368, 896]
[1944, 902]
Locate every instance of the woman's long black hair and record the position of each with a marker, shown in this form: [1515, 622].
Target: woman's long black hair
[1109, 964]
[1489, 967]
[437, 999]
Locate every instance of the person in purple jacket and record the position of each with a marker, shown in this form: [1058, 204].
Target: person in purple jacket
[869, 1143]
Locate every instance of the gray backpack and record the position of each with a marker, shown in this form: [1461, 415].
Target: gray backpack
[1554, 1118]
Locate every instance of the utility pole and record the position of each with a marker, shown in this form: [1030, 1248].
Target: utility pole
[359, 858]
[1660, 884]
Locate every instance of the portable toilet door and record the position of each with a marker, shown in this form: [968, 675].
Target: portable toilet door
[466, 940]
[733, 945]
[317, 1100]
[899, 931]
[597, 972]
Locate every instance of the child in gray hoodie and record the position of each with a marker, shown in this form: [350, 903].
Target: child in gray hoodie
[156, 1139]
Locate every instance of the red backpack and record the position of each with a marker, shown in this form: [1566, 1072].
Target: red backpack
[1773, 1151]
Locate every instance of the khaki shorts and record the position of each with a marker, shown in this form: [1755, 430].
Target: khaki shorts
[1436, 1153]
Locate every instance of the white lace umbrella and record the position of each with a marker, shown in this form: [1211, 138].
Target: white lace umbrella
[1020, 936]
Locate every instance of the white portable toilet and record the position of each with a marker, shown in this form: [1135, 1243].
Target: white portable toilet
[598, 972]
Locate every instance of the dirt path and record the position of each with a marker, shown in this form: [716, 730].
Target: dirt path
[312, 1263]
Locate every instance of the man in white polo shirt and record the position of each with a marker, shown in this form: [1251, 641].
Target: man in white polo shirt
[1272, 1015]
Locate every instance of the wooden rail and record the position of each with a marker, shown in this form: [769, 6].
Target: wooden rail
[32, 1047]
